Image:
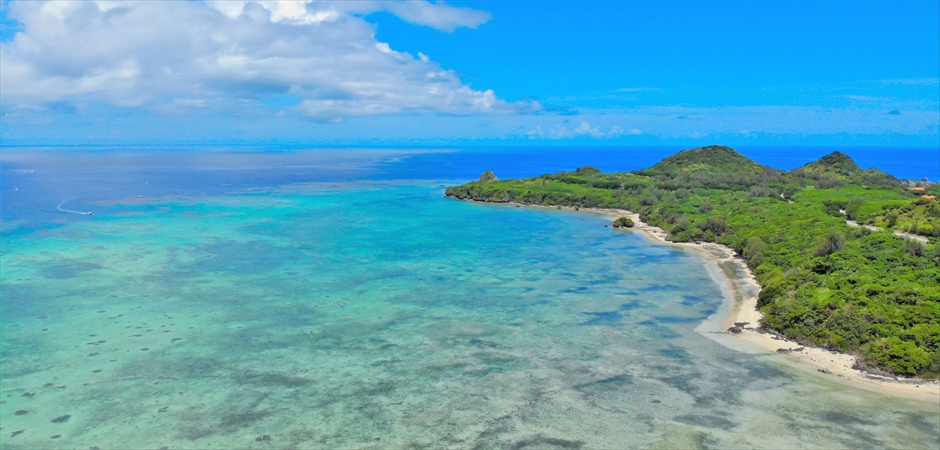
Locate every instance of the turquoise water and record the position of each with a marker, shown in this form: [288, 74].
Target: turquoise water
[381, 315]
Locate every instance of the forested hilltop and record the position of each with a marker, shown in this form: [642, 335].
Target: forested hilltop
[857, 289]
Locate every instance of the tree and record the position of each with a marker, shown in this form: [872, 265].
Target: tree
[717, 225]
[833, 242]
[754, 251]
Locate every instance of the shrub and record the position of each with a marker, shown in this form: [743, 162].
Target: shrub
[584, 170]
[903, 357]
[833, 210]
[851, 209]
[717, 225]
[761, 191]
[833, 242]
[914, 248]
[830, 183]
[754, 251]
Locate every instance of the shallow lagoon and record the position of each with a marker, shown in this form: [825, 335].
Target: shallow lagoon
[379, 314]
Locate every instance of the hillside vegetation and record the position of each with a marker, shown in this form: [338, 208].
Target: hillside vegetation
[825, 283]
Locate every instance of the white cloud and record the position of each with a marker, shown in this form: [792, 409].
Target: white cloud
[584, 129]
[535, 132]
[866, 98]
[670, 122]
[910, 81]
[660, 124]
[437, 15]
[224, 53]
[560, 132]
[859, 97]
[639, 89]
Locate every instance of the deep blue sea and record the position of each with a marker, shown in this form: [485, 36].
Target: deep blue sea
[333, 298]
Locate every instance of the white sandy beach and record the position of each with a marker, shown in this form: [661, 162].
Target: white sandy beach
[741, 290]
[742, 309]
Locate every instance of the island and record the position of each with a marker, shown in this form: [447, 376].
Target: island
[847, 260]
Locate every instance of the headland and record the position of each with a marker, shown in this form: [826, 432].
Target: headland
[703, 200]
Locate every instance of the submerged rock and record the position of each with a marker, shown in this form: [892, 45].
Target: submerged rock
[873, 370]
[790, 350]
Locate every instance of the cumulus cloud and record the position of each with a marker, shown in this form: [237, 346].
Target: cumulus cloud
[584, 129]
[437, 15]
[535, 132]
[228, 54]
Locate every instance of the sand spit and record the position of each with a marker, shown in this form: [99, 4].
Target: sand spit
[740, 318]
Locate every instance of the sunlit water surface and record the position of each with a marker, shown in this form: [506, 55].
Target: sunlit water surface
[378, 314]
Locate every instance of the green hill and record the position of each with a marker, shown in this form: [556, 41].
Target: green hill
[712, 159]
[836, 164]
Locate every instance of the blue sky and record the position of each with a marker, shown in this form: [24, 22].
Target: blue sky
[470, 73]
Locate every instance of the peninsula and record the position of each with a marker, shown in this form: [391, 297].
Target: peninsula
[846, 259]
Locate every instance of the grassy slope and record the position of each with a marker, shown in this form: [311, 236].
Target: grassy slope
[824, 283]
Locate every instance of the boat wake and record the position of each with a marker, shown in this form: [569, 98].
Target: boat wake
[72, 211]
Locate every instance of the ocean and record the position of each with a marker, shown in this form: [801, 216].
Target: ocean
[333, 298]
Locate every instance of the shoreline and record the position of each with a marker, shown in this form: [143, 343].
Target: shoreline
[739, 309]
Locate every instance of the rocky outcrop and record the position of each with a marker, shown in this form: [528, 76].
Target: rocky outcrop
[623, 222]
